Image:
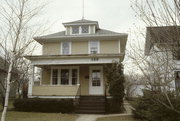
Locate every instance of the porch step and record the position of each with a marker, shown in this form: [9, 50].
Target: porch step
[91, 105]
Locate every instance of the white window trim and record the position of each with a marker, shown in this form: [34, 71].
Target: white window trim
[89, 49]
[94, 29]
[69, 48]
[119, 46]
[70, 75]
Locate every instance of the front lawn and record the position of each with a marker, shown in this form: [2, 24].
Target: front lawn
[34, 116]
[117, 118]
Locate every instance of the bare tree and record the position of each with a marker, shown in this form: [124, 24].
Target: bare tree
[133, 82]
[17, 28]
[162, 44]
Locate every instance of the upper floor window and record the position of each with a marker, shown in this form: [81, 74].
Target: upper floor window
[66, 48]
[84, 29]
[75, 29]
[93, 47]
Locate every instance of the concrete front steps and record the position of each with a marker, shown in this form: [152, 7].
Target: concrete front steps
[91, 105]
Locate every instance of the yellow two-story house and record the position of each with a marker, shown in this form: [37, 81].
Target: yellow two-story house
[72, 60]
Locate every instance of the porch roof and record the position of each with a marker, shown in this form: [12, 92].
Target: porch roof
[29, 57]
[75, 59]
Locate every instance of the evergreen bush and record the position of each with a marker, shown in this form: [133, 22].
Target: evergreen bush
[115, 84]
[151, 106]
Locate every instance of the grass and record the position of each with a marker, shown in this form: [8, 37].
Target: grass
[10, 105]
[117, 118]
[34, 116]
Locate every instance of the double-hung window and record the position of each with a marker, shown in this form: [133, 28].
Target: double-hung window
[66, 48]
[65, 76]
[93, 47]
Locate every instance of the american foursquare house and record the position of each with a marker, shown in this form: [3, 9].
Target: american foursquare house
[72, 61]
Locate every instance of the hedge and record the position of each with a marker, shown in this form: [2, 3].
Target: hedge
[44, 105]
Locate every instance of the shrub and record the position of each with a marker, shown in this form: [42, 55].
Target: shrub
[151, 107]
[44, 105]
[115, 83]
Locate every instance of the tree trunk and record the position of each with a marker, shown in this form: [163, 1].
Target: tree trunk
[3, 117]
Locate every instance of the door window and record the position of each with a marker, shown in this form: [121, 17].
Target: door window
[96, 78]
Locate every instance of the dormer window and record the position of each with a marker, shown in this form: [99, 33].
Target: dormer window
[75, 29]
[84, 29]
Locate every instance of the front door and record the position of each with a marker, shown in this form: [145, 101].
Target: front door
[96, 80]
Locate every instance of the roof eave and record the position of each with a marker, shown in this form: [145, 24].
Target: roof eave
[76, 24]
[41, 39]
[30, 57]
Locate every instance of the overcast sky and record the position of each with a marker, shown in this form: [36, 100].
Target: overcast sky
[115, 15]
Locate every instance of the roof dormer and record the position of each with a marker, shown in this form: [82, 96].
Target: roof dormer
[80, 27]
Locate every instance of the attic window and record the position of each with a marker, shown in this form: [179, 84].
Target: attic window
[84, 29]
[75, 29]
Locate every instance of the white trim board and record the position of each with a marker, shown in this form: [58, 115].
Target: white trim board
[73, 61]
[53, 97]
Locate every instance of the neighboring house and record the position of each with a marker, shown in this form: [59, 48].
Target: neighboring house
[164, 43]
[72, 60]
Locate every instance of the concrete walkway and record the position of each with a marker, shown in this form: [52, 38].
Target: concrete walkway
[91, 117]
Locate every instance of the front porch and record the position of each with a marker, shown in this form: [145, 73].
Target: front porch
[69, 81]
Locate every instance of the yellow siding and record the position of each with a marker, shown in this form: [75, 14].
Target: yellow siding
[46, 76]
[79, 47]
[51, 49]
[84, 80]
[55, 90]
[109, 46]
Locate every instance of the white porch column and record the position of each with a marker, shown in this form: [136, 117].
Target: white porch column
[31, 80]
